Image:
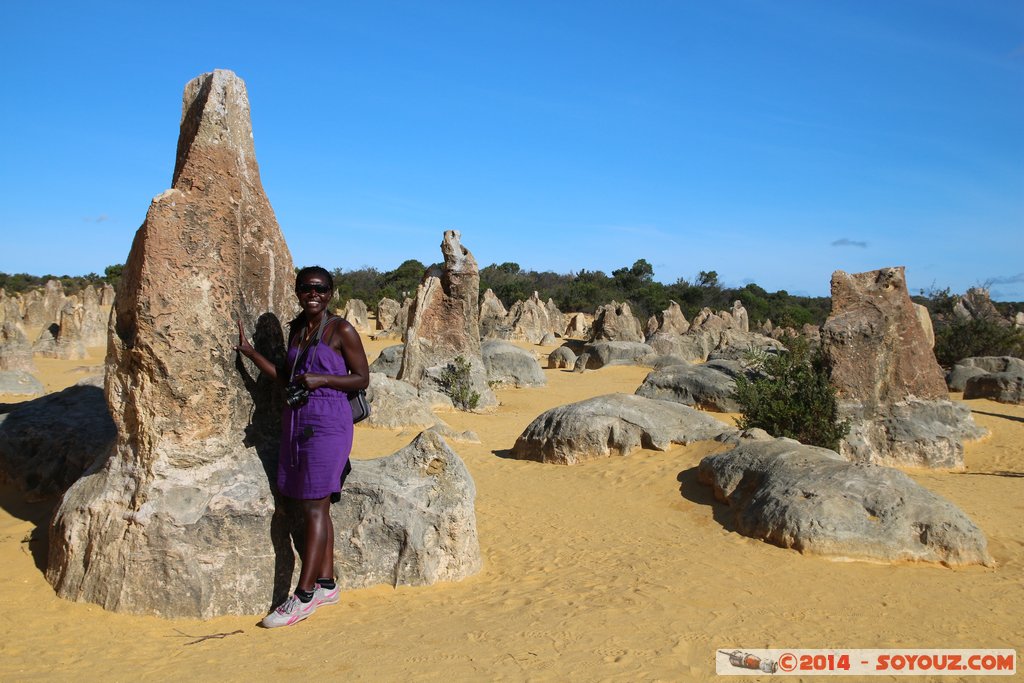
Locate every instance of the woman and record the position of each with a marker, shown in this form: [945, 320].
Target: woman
[325, 358]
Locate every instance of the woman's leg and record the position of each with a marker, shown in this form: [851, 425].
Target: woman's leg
[326, 570]
[319, 531]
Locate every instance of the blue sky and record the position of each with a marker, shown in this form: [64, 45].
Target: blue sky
[772, 142]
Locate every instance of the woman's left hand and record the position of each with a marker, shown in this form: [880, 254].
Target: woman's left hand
[311, 380]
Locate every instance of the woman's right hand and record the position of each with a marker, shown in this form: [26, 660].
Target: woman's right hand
[244, 347]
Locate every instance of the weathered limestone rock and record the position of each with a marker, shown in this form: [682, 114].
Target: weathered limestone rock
[672, 320]
[812, 500]
[20, 383]
[562, 357]
[736, 345]
[387, 314]
[556, 320]
[578, 326]
[506, 363]
[706, 320]
[910, 433]
[389, 361]
[695, 346]
[1018, 320]
[977, 305]
[1005, 387]
[407, 519]
[964, 369]
[740, 319]
[886, 376]
[63, 339]
[395, 404]
[15, 350]
[183, 500]
[492, 316]
[95, 317]
[355, 312]
[46, 443]
[43, 307]
[531, 320]
[599, 354]
[710, 386]
[548, 340]
[925, 318]
[444, 322]
[614, 424]
[615, 322]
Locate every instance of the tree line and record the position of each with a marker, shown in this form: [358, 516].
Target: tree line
[585, 290]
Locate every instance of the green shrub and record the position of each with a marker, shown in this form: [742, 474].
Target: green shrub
[964, 339]
[456, 384]
[793, 398]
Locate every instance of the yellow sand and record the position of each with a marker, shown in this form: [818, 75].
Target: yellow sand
[619, 569]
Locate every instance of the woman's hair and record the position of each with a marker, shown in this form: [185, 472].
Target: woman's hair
[314, 270]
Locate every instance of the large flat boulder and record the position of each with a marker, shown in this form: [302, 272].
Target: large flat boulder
[614, 424]
[813, 500]
[506, 363]
[599, 354]
[396, 404]
[909, 433]
[389, 362]
[709, 386]
[956, 379]
[47, 443]
[1005, 387]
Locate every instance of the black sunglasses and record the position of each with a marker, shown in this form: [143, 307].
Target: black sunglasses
[307, 287]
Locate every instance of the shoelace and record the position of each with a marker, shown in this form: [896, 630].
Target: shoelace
[289, 605]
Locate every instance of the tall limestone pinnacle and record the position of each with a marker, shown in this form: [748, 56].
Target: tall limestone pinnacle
[150, 528]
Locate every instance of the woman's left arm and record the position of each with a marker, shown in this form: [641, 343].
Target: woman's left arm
[345, 341]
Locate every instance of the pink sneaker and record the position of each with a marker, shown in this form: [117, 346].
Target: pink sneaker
[291, 611]
[323, 596]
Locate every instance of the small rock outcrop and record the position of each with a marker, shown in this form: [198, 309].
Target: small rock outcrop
[1004, 387]
[813, 500]
[562, 357]
[407, 519]
[615, 322]
[599, 354]
[964, 369]
[740, 319]
[395, 404]
[886, 376]
[387, 315]
[20, 383]
[357, 315]
[492, 316]
[671, 321]
[578, 327]
[710, 386]
[389, 362]
[63, 339]
[506, 363]
[15, 349]
[614, 424]
[976, 304]
[444, 322]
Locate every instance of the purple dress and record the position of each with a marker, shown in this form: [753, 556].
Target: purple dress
[316, 438]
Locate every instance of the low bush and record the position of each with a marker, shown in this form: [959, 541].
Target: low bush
[792, 398]
[455, 382]
[967, 338]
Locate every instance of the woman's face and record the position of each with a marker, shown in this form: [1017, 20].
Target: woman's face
[313, 293]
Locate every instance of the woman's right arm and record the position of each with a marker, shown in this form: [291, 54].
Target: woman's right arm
[247, 350]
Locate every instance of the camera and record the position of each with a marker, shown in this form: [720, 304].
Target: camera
[296, 395]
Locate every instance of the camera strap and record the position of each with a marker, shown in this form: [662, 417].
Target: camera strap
[303, 348]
